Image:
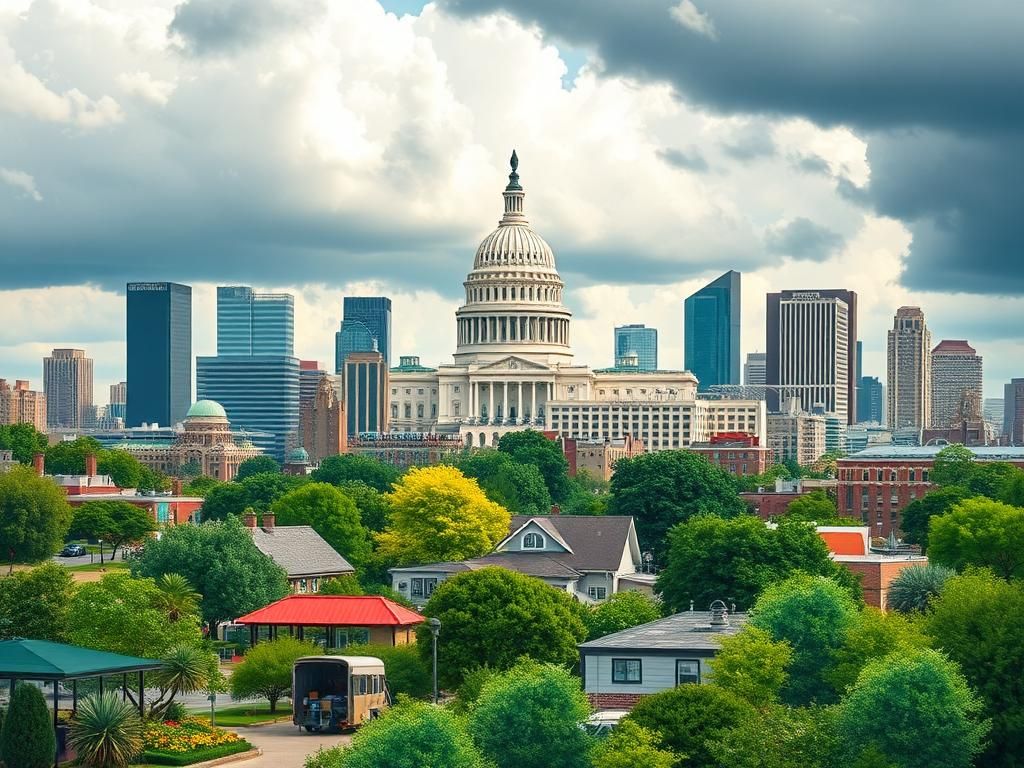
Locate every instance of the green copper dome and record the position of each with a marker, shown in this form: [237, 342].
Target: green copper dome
[298, 456]
[206, 409]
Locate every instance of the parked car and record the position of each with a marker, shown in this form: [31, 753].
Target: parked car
[73, 550]
[601, 723]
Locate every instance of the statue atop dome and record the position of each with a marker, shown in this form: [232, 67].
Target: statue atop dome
[513, 178]
[514, 162]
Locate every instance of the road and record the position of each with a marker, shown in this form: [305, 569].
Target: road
[284, 745]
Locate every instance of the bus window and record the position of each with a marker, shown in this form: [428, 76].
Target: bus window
[376, 683]
[362, 684]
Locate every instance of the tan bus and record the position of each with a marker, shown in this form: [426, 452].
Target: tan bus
[334, 693]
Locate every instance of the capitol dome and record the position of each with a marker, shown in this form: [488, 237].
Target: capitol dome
[297, 456]
[206, 409]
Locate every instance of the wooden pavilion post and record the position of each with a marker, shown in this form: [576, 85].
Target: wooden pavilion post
[56, 706]
[142, 693]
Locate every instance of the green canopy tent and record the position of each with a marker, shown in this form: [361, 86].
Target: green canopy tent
[22, 659]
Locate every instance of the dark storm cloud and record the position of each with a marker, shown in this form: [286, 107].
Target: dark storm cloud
[803, 239]
[951, 71]
[689, 159]
[224, 26]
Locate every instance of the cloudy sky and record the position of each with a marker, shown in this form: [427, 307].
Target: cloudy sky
[337, 147]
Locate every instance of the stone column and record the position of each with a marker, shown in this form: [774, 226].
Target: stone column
[504, 401]
[519, 394]
[490, 407]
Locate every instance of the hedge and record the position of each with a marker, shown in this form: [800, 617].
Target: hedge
[156, 757]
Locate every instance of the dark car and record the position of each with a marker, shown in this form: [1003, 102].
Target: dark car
[73, 550]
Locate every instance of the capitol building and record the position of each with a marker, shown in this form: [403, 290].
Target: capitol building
[513, 365]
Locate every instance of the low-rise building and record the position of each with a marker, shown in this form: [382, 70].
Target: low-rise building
[407, 449]
[7, 461]
[302, 552]
[851, 546]
[768, 504]
[598, 458]
[736, 453]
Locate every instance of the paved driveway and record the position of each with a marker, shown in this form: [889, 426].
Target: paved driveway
[284, 745]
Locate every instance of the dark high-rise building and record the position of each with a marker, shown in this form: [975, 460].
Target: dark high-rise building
[365, 384]
[159, 360]
[639, 342]
[870, 400]
[365, 327]
[811, 351]
[711, 330]
[1013, 412]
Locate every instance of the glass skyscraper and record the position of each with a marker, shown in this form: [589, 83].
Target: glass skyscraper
[711, 331]
[159, 363]
[250, 323]
[365, 327]
[639, 341]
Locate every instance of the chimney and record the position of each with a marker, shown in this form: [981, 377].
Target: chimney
[268, 521]
[38, 463]
[177, 486]
[249, 519]
[555, 509]
[90, 465]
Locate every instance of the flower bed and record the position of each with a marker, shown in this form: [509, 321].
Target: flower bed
[189, 740]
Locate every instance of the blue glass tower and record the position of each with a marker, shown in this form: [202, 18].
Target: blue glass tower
[250, 323]
[711, 331]
[159, 359]
[639, 341]
[365, 327]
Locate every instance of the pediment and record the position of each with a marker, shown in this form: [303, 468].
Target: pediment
[514, 363]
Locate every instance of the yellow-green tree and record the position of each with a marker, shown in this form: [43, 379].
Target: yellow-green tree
[437, 513]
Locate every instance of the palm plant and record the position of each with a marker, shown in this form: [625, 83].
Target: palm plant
[912, 589]
[177, 596]
[184, 669]
[106, 732]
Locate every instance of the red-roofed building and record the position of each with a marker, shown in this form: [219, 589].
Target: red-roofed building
[344, 619]
[876, 570]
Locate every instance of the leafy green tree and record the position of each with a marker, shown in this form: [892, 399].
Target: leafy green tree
[221, 561]
[953, 465]
[439, 514]
[118, 523]
[371, 503]
[781, 737]
[28, 740]
[812, 614]
[184, 669]
[588, 495]
[350, 467]
[750, 483]
[872, 635]
[23, 441]
[621, 611]
[265, 488]
[34, 516]
[472, 685]
[200, 486]
[918, 514]
[752, 666]
[914, 709]
[1012, 491]
[914, 587]
[980, 532]
[34, 604]
[106, 731]
[630, 746]
[814, 507]
[531, 447]
[406, 672]
[346, 584]
[689, 717]
[266, 670]
[520, 488]
[530, 717]
[331, 513]
[225, 499]
[177, 597]
[255, 466]
[978, 622]
[124, 469]
[711, 558]
[664, 488]
[68, 456]
[494, 616]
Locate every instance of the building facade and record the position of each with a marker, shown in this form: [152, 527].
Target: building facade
[956, 369]
[1013, 412]
[117, 408]
[324, 432]
[711, 332]
[254, 324]
[639, 342]
[754, 369]
[365, 384]
[365, 327]
[159, 353]
[909, 370]
[599, 457]
[407, 449]
[870, 401]
[738, 453]
[795, 435]
[67, 383]
[21, 405]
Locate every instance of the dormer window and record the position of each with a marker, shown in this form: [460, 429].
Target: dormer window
[533, 541]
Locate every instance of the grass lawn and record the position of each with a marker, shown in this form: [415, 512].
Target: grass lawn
[249, 714]
[116, 565]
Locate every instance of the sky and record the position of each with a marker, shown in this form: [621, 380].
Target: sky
[346, 148]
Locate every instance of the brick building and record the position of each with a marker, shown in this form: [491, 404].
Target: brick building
[852, 548]
[21, 405]
[599, 458]
[769, 504]
[735, 452]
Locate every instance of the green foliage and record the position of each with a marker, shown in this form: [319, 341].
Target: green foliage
[472, 686]
[106, 731]
[67, 457]
[34, 516]
[255, 466]
[494, 616]
[812, 614]
[531, 447]
[918, 514]
[200, 486]
[978, 622]
[530, 717]
[118, 523]
[688, 718]
[177, 596]
[872, 635]
[766, 480]
[184, 669]
[520, 488]
[711, 558]
[23, 441]
[915, 709]
[264, 488]
[780, 737]
[156, 757]
[953, 465]
[621, 611]
[914, 587]
[331, 513]
[220, 560]
[630, 746]
[124, 469]
[980, 532]
[28, 740]
[752, 666]
[407, 673]
[225, 499]
[346, 584]
[351, 467]
[664, 488]
[266, 670]
[588, 495]
[34, 604]
[371, 503]
[814, 507]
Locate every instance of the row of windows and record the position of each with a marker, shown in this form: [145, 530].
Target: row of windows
[515, 293]
[420, 410]
[913, 474]
[631, 671]
[366, 684]
[420, 391]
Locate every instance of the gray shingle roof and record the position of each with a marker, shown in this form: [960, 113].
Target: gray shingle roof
[689, 630]
[301, 551]
[597, 542]
[530, 563]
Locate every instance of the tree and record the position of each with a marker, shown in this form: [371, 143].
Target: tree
[812, 614]
[664, 488]
[124, 469]
[200, 486]
[494, 616]
[34, 516]
[588, 495]
[184, 669]
[225, 499]
[814, 507]
[953, 465]
[531, 447]
[34, 604]
[68, 456]
[346, 584]
[177, 597]
[630, 746]
[711, 558]
[220, 560]
[918, 514]
[530, 717]
[781, 737]
[255, 466]
[117, 523]
[439, 514]
[687, 718]
[331, 513]
[125, 615]
[914, 587]
[371, 503]
[407, 673]
[106, 732]
[980, 532]
[621, 611]
[28, 739]
[752, 666]
[23, 441]
[915, 710]
[978, 622]
[871, 635]
[349, 467]
[1012, 491]
[263, 489]
[520, 488]
[266, 670]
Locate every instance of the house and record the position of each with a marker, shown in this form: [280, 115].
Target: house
[591, 558]
[618, 669]
[877, 569]
[305, 556]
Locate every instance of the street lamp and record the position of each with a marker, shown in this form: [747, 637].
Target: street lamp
[435, 628]
[101, 551]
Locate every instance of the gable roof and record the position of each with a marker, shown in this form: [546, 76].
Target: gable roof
[690, 630]
[300, 550]
[333, 611]
[595, 542]
[543, 523]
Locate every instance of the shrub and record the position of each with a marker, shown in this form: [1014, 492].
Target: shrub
[267, 669]
[107, 732]
[28, 740]
[622, 611]
[630, 746]
[406, 672]
[914, 587]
